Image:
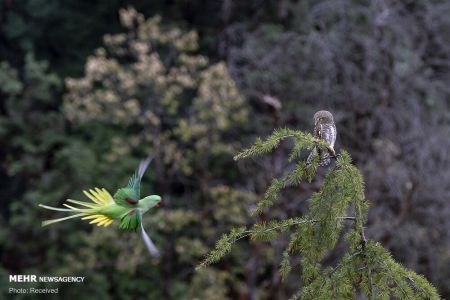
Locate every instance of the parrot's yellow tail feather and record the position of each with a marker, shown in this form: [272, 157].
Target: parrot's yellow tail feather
[99, 219]
[48, 222]
[85, 204]
[71, 207]
[99, 196]
[55, 208]
[88, 210]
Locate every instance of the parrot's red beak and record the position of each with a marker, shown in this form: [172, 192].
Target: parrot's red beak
[158, 204]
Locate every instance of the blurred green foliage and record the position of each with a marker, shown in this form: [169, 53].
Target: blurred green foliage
[143, 93]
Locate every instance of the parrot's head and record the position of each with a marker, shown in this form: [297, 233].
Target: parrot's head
[149, 202]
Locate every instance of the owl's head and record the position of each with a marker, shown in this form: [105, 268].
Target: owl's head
[323, 116]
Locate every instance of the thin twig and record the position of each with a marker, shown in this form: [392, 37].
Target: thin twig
[337, 267]
[249, 232]
[401, 288]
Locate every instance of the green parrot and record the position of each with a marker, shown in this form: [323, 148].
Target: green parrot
[126, 206]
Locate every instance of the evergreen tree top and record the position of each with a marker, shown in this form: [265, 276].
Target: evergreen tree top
[366, 268]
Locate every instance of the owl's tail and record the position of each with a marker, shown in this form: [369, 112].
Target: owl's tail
[325, 157]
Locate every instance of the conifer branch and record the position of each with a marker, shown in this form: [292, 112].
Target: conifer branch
[359, 222]
[318, 232]
[259, 232]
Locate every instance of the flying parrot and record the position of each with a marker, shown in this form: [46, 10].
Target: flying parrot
[126, 206]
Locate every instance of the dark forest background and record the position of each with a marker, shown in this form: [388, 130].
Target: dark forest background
[88, 88]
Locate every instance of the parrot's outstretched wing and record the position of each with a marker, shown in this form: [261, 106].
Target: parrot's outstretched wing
[129, 196]
[135, 181]
[147, 240]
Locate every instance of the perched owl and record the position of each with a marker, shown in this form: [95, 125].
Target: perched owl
[324, 129]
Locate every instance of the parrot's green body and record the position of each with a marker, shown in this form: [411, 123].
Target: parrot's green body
[126, 206]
